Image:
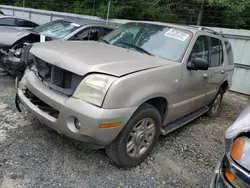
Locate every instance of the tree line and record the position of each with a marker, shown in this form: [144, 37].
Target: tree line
[216, 13]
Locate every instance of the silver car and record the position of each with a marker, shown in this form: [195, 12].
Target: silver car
[13, 41]
[137, 82]
[15, 22]
[234, 169]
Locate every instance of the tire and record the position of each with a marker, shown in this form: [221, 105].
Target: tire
[117, 150]
[215, 105]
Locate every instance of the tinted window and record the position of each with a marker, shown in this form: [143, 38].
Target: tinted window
[229, 53]
[25, 23]
[7, 21]
[216, 53]
[200, 48]
[158, 40]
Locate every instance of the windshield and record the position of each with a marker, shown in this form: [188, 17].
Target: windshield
[57, 29]
[162, 41]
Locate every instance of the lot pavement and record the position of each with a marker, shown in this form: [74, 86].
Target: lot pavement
[32, 155]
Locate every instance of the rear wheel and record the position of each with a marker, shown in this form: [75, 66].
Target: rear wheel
[137, 138]
[215, 105]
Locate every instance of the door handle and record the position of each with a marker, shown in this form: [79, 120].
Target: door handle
[222, 72]
[206, 75]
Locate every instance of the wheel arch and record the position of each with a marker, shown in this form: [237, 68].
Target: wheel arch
[160, 103]
[224, 86]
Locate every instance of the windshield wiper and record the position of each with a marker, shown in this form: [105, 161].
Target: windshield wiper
[135, 47]
[103, 40]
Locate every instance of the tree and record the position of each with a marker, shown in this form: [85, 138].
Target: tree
[220, 13]
[235, 12]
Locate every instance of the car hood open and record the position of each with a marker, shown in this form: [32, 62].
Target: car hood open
[82, 57]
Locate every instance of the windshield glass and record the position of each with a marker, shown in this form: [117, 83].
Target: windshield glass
[162, 41]
[57, 29]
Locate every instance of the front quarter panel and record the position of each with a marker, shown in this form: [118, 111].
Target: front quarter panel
[134, 89]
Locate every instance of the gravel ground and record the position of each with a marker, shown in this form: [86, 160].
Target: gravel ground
[32, 155]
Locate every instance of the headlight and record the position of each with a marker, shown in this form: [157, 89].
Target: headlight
[241, 151]
[93, 88]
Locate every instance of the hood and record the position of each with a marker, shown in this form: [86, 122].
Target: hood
[82, 57]
[8, 36]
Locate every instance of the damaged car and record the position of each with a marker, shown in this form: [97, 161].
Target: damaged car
[121, 92]
[13, 41]
[234, 169]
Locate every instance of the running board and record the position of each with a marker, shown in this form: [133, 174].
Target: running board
[182, 121]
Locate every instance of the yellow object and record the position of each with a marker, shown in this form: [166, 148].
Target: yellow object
[229, 176]
[237, 149]
[109, 125]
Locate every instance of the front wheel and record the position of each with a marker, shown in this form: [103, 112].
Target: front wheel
[137, 139]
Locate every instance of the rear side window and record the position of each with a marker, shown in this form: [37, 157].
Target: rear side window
[216, 53]
[229, 53]
[25, 23]
[7, 21]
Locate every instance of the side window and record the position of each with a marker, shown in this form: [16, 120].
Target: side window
[25, 23]
[229, 53]
[7, 21]
[217, 58]
[95, 33]
[81, 35]
[90, 33]
[200, 48]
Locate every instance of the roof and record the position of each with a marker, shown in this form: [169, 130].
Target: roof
[193, 28]
[82, 22]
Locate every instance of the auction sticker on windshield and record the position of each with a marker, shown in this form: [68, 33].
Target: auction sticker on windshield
[179, 35]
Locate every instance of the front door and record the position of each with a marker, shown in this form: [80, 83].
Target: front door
[194, 83]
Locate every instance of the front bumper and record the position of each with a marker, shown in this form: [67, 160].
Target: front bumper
[89, 115]
[219, 181]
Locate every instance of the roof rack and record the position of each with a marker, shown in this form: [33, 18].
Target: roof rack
[207, 29]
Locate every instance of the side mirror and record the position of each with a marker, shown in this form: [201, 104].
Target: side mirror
[198, 64]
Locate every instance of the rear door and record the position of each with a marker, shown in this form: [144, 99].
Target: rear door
[216, 67]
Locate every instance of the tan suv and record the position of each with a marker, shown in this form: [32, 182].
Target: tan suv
[121, 92]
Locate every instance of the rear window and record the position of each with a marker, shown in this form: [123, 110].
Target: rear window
[229, 53]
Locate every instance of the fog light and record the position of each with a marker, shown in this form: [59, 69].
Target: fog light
[77, 124]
